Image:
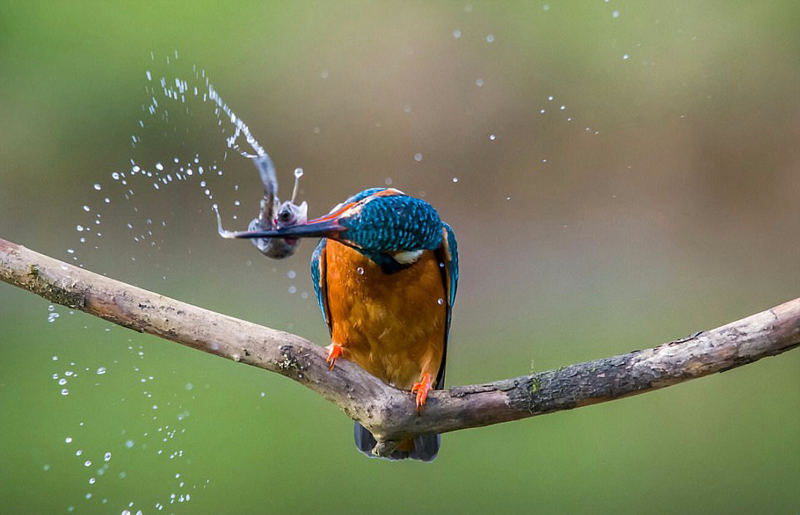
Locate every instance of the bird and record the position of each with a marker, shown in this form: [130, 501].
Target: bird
[385, 275]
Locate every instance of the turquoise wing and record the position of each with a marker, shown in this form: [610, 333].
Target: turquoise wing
[448, 257]
[320, 279]
[451, 262]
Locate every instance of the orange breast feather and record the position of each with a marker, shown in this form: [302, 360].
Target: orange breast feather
[392, 325]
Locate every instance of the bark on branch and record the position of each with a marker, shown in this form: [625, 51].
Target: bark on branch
[387, 412]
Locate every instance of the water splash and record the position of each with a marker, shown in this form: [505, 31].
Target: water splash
[144, 180]
[169, 95]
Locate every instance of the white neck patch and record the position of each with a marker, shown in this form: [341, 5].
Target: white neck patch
[407, 257]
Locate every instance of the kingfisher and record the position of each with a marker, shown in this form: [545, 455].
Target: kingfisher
[385, 274]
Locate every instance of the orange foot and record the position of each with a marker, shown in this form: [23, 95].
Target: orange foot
[334, 351]
[422, 388]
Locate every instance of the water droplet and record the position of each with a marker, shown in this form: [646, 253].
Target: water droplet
[79, 228]
[68, 439]
[492, 137]
[64, 391]
[550, 98]
[97, 186]
[479, 83]
[546, 7]
[298, 172]
[52, 318]
[407, 108]
[92, 480]
[615, 14]
[107, 456]
[625, 57]
[291, 274]
[292, 289]
[456, 33]
[101, 371]
[87, 463]
[87, 208]
[159, 167]
[55, 358]
[360, 271]
[51, 308]
[418, 157]
[46, 467]
[62, 382]
[115, 176]
[128, 444]
[189, 386]
[388, 181]
[324, 74]
[468, 8]
[440, 301]
[489, 38]
[455, 179]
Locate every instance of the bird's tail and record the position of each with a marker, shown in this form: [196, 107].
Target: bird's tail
[423, 447]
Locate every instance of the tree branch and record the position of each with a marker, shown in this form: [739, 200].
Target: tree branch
[387, 412]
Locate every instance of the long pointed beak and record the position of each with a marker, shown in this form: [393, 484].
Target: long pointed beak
[321, 228]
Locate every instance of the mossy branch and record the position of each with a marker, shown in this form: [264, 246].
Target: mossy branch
[387, 412]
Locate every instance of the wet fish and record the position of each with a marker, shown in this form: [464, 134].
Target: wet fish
[272, 214]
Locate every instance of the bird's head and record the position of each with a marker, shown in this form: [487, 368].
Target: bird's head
[377, 220]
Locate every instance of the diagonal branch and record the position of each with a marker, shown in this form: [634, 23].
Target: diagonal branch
[387, 412]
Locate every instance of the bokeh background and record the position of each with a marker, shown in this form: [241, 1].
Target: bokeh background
[661, 199]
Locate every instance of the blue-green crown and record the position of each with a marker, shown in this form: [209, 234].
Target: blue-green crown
[391, 223]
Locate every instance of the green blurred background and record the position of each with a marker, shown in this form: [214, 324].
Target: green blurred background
[661, 200]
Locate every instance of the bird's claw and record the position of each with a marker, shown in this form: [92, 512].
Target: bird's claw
[422, 388]
[334, 351]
